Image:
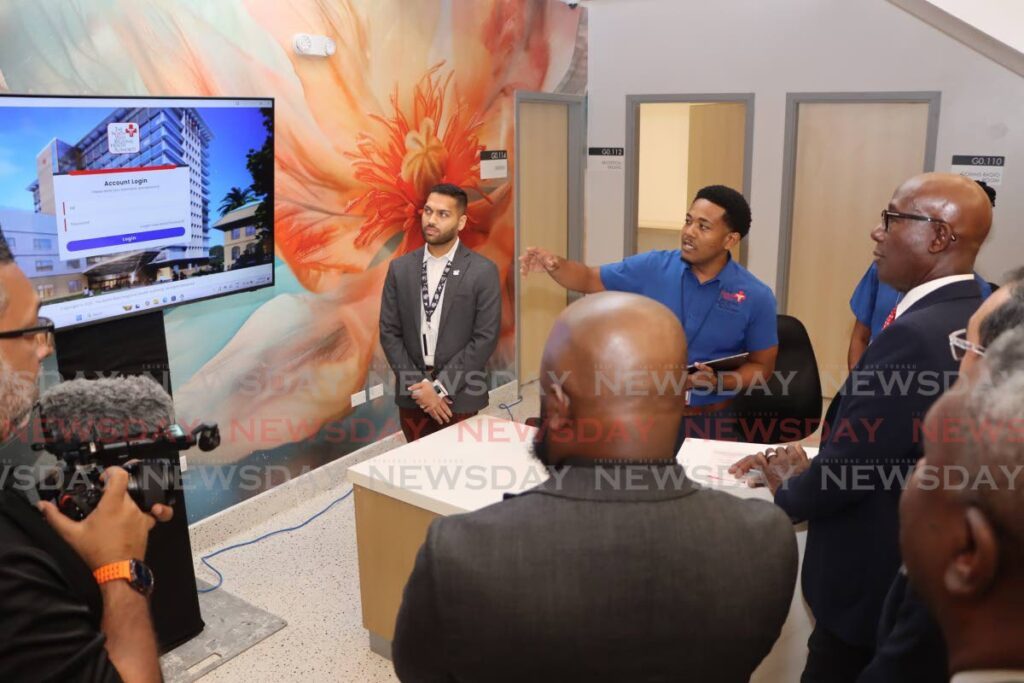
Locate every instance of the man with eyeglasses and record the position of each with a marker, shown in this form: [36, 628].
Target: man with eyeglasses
[962, 531]
[872, 300]
[926, 245]
[910, 642]
[58, 622]
[1000, 312]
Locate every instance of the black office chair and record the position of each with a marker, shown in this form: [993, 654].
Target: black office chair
[773, 415]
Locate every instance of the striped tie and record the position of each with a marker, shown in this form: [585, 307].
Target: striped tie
[889, 318]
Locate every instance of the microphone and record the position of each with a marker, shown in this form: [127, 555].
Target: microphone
[126, 421]
[109, 409]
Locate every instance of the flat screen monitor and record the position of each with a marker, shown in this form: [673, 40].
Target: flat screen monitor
[115, 206]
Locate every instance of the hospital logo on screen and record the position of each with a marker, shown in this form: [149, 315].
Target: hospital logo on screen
[123, 138]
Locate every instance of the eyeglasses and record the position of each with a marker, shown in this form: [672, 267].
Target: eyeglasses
[42, 331]
[887, 216]
[959, 346]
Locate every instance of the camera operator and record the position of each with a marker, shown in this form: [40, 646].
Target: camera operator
[73, 594]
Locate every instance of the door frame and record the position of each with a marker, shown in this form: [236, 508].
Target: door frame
[577, 140]
[793, 101]
[632, 160]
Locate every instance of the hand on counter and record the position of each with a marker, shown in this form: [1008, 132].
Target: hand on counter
[776, 465]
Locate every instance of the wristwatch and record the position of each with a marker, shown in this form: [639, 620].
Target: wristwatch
[135, 572]
[439, 388]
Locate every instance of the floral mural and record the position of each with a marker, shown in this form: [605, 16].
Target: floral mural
[416, 89]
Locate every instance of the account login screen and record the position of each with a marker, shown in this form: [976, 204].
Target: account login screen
[116, 210]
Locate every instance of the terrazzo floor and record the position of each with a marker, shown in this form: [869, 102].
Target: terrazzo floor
[310, 578]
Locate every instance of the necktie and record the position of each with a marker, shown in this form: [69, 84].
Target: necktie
[889, 318]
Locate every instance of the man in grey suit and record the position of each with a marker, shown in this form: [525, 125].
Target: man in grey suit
[618, 568]
[440, 316]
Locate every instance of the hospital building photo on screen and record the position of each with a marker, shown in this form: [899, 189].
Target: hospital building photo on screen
[99, 199]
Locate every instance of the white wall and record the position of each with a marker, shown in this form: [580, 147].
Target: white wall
[771, 48]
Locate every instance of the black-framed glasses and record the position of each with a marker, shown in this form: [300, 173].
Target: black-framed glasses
[959, 346]
[42, 331]
[888, 215]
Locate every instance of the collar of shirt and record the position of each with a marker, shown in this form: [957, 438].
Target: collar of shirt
[989, 676]
[427, 256]
[725, 275]
[921, 291]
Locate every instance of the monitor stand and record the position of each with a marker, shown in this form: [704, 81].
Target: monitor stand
[137, 346]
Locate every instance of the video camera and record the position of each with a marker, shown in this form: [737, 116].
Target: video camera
[75, 486]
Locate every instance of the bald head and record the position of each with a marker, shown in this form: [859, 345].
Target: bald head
[913, 251]
[614, 362]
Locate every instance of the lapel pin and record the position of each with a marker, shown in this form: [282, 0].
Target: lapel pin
[455, 272]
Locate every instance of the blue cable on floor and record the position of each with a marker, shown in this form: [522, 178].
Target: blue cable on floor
[508, 408]
[220, 577]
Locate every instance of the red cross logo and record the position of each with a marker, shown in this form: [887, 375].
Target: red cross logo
[740, 296]
[131, 130]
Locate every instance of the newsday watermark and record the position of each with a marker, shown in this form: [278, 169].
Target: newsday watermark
[863, 431]
[429, 476]
[262, 382]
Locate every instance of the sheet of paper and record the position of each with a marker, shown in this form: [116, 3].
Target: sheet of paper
[708, 462]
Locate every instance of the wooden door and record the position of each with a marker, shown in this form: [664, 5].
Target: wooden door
[850, 156]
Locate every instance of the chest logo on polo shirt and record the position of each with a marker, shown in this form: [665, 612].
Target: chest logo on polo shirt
[730, 301]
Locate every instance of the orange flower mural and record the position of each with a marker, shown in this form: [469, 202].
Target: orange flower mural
[414, 92]
[416, 155]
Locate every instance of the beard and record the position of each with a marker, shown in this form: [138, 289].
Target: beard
[17, 396]
[540, 448]
[442, 236]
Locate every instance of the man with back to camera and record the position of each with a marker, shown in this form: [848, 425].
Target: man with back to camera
[910, 645]
[872, 300]
[618, 567]
[440, 318]
[723, 308]
[926, 245]
[70, 609]
[963, 543]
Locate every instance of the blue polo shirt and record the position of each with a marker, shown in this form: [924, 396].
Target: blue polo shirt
[729, 314]
[872, 300]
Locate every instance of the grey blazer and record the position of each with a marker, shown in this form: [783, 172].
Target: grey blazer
[655, 579]
[468, 334]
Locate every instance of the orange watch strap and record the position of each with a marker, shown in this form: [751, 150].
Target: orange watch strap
[113, 571]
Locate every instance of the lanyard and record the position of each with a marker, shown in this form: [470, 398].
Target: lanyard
[691, 338]
[430, 305]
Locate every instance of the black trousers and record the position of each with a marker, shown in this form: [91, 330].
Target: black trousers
[832, 660]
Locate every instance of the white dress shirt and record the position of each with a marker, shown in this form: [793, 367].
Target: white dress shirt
[989, 676]
[435, 267]
[923, 290]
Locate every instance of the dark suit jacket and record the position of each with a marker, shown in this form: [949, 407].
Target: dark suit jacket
[583, 580]
[467, 336]
[850, 494]
[910, 643]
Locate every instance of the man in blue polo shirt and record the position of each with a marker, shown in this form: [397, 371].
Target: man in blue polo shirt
[724, 309]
